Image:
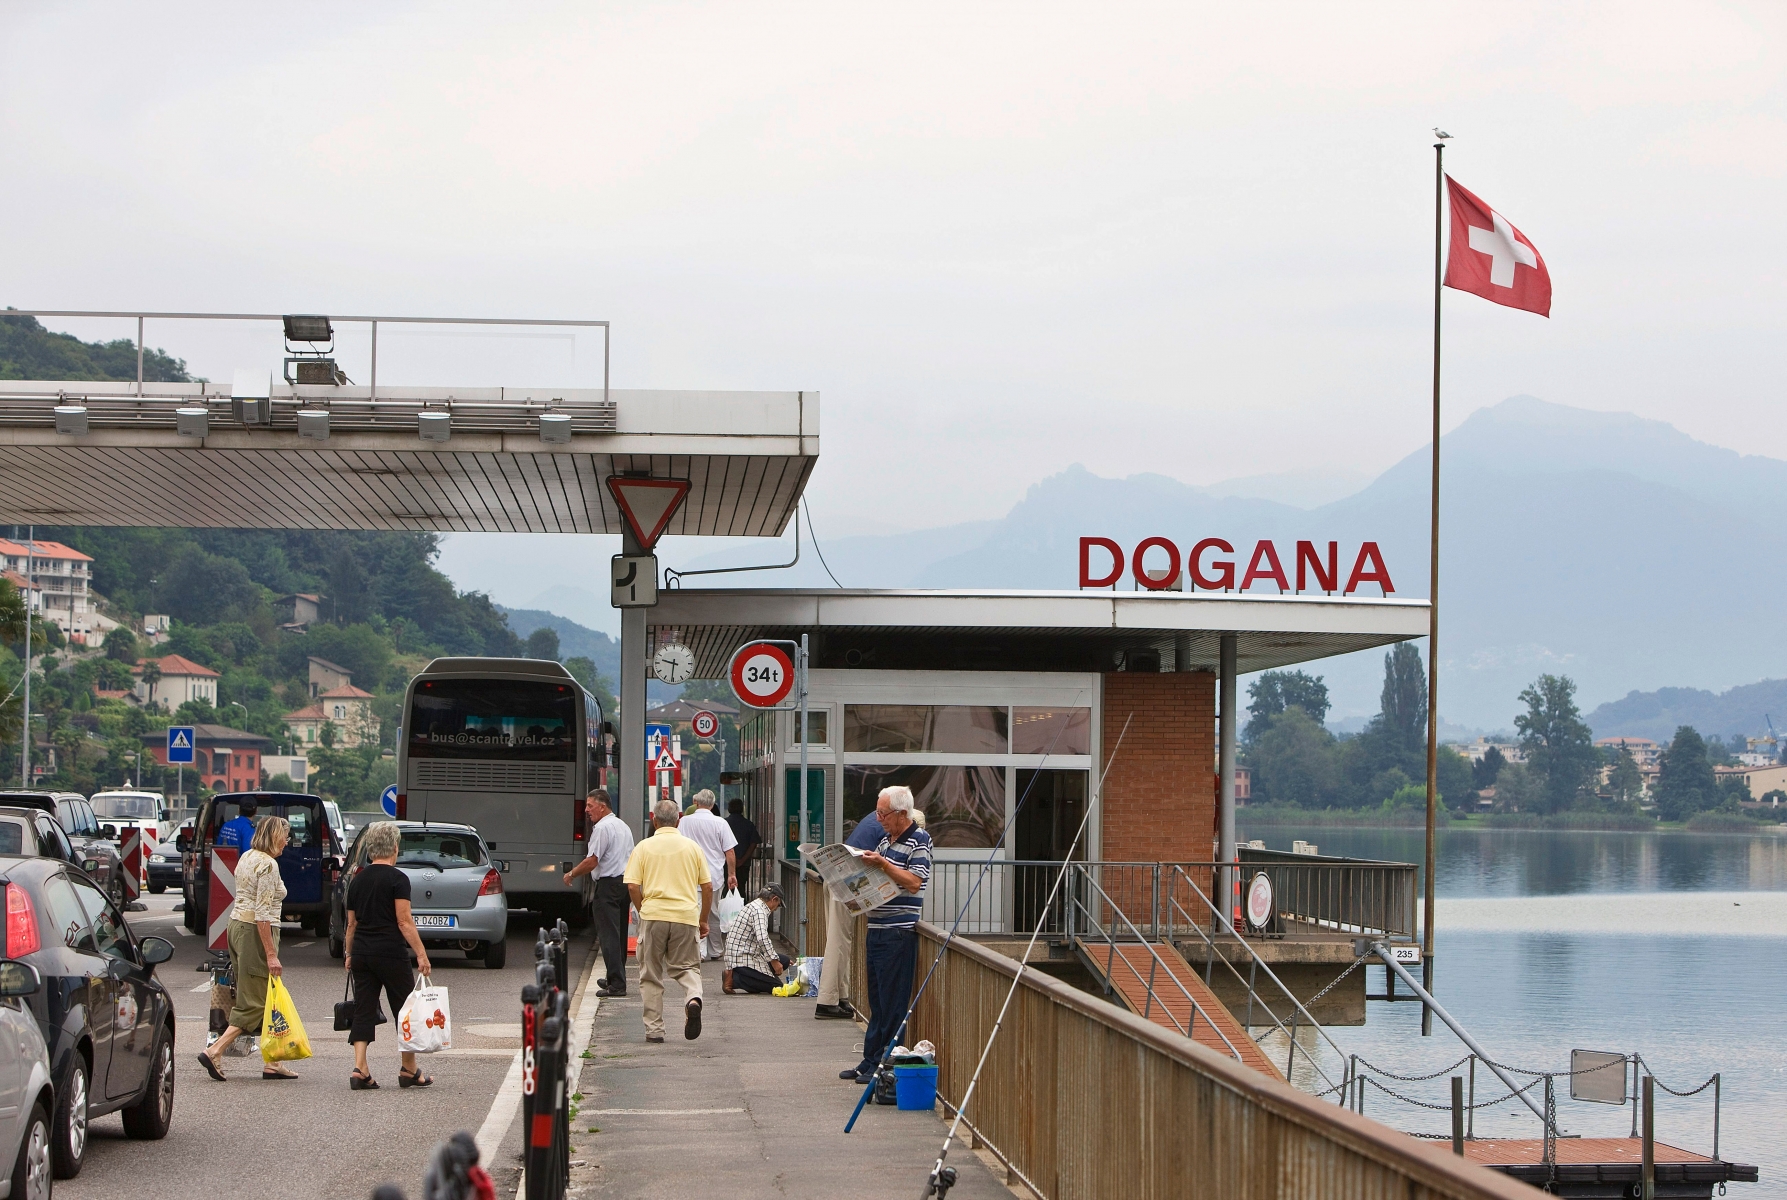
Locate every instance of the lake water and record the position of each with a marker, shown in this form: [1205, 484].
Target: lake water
[1671, 946]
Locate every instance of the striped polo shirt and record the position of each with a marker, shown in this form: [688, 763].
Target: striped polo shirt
[911, 852]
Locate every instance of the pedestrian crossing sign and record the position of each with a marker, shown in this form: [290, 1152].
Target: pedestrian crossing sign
[180, 744]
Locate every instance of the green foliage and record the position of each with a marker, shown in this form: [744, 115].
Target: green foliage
[363, 650]
[1275, 691]
[1402, 716]
[1518, 789]
[543, 643]
[352, 778]
[1624, 780]
[29, 351]
[598, 685]
[1558, 743]
[1685, 782]
[1293, 760]
[1485, 769]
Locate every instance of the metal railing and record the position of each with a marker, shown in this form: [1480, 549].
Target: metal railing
[1320, 896]
[1088, 1101]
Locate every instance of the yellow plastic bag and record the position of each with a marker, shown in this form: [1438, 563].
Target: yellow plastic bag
[282, 1033]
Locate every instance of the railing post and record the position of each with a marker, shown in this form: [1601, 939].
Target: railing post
[1458, 1115]
[1716, 1087]
[1470, 1129]
[1648, 1171]
[1154, 917]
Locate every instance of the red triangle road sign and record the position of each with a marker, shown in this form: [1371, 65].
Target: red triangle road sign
[647, 504]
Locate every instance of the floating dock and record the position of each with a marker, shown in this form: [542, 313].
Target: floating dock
[1606, 1167]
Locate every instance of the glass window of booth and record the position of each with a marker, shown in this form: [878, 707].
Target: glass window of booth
[926, 729]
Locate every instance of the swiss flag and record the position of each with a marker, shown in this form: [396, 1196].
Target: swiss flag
[1492, 259]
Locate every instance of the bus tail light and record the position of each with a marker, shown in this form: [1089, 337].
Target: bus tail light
[21, 923]
[403, 806]
[493, 883]
[579, 821]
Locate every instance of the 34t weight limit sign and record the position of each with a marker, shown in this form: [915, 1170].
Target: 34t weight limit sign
[762, 673]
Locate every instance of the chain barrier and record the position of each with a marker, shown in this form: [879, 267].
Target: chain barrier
[1447, 1107]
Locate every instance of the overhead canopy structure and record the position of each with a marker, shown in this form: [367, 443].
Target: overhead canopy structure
[1030, 631]
[746, 456]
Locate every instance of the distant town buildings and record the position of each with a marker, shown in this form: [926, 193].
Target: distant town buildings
[338, 703]
[225, 759]
[1645, 752]
[172, 680]
[56, 581]
[299, 610]
[1511, 751]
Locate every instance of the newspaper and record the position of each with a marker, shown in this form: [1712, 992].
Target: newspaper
[859, 886]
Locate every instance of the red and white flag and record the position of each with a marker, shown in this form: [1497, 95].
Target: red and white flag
[1492, 259]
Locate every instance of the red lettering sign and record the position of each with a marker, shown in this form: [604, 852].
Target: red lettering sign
[1210, 574]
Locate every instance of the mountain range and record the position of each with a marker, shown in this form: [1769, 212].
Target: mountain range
[1604, 546]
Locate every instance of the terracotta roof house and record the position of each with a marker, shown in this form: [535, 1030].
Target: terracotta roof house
[180, 680]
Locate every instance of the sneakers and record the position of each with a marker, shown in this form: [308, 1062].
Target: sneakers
[832, 1012]
[603, 990]
[656, 1039]
[855, 1076]
[692, 1019]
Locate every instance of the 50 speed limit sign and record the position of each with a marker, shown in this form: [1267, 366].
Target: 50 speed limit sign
[705, 724]
[762, 673]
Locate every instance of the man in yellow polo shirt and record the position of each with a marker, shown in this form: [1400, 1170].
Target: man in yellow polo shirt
[668, 881]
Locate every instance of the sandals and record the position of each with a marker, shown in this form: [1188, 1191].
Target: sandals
[405, 1079]
[266, 1074]
[361, 1083]
[211, 1068]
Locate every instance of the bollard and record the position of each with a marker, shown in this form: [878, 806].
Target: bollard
[545, 1069]
[1648, 1177]
[1458, 1115]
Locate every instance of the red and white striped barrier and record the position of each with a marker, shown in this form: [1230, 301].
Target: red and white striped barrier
[132, 866]
[223, 896]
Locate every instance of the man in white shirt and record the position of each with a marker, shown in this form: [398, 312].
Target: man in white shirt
[709, 830]
[610, 844]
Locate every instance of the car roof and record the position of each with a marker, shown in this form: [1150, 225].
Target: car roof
[259, 798]
[406, 825]
[42, 801]
[28, 865]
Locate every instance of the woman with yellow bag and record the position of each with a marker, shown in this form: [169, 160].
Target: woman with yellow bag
[254, 943]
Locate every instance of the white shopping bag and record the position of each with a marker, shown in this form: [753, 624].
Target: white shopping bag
[727, 908]
[425, 1023]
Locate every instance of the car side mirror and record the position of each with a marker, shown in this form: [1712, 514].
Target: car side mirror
[22, 979]
[109, 832]
[166, 815]
[156, 950]
[90, 865]
[183, 841]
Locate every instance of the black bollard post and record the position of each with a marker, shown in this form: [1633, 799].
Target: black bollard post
[1458, 1115]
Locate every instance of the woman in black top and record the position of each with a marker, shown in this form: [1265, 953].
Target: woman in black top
[381, 934]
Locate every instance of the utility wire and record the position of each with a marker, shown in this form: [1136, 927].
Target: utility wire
[814, 537]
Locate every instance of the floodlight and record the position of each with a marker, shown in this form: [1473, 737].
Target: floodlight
[316, 370]
[192, 422]
[308, 329]
[71, 419]
[434, 426]
[555, 429]
[314, 423]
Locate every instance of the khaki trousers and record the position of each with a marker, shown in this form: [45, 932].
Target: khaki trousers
[840, 933]
[667, 948]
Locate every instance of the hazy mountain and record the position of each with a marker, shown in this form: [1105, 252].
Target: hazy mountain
[578, 641]
[1656, 715]
[1610, 548]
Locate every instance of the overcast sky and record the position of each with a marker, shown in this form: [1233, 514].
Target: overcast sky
[998, 240]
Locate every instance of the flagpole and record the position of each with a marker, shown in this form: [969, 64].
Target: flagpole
[1433, 602]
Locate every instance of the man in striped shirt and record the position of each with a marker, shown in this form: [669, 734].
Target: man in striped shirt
[892, 944]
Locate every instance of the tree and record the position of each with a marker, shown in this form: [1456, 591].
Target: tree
[1292, 761]
[1402, 715]
[1517, 789]
[1275, 691]
[543, 643]
[1685, 781]
[1485, 769]
[583, 670]
[121, 646]
[1558, 743]
[1625, 780]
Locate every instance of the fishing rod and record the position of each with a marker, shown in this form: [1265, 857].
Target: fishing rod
[942, 1177]
[968, 901]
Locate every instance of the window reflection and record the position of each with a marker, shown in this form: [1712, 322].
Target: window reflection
[1051, 731]
[926, 729]
[964, 807]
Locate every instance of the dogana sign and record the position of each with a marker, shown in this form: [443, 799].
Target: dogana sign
[1209, 566]
[762, 674]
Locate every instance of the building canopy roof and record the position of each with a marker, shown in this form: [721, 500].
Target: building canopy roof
[1028, 631]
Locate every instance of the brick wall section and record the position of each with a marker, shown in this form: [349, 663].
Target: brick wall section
[1160, 795]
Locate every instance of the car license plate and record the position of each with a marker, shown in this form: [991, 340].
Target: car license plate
[434, 922]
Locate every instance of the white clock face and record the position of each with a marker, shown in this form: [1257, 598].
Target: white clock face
[674, 663]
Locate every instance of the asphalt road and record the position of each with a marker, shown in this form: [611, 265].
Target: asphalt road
[312, 1137]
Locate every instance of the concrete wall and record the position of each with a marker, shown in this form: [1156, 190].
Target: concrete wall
[1160, 794]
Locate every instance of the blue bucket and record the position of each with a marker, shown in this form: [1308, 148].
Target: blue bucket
[915, 1088]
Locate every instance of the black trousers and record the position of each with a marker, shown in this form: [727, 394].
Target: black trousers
[372, 972]
[892, 956]
[611, 930]
[750, 979]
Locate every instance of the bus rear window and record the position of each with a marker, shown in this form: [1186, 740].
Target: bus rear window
[505, 719]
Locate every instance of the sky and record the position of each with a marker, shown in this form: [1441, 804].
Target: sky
[997, 239]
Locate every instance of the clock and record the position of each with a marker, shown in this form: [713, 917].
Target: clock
[673, 663]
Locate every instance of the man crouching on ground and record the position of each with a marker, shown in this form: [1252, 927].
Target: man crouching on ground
[668, 882]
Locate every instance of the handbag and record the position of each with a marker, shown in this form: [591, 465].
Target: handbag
[344, 1007]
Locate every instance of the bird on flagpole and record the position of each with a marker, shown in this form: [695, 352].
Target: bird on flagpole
[1439, 133]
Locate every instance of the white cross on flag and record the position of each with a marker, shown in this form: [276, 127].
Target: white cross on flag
[1492, 259]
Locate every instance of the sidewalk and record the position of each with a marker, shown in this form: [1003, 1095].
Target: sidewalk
[754, 1107]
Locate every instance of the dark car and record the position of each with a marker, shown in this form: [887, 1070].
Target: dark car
[165, 867]
[310, 865]
[106, 1019]
[92, 850]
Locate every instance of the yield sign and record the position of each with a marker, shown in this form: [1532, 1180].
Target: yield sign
[647, 504]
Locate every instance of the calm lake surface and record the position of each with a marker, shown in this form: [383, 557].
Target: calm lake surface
[1672, 946]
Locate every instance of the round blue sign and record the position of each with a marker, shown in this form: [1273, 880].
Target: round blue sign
[388, 801]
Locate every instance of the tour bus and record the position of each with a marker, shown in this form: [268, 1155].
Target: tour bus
[509, 746]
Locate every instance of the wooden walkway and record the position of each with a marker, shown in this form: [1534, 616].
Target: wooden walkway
[1128, 967]
[1586, 1166]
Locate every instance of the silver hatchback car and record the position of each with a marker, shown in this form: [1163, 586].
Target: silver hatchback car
[456, 891]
